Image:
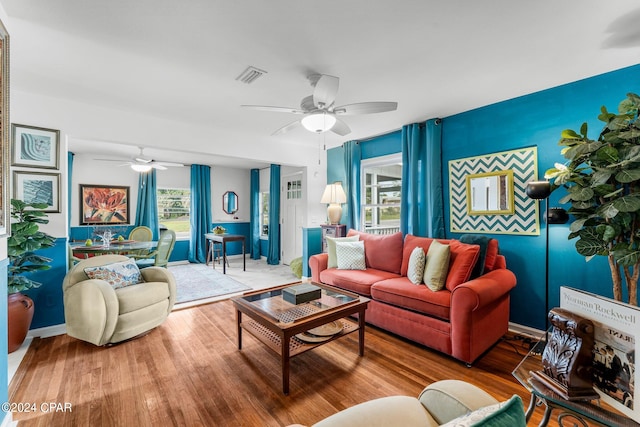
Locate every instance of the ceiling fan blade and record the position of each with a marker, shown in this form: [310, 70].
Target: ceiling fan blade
[169, 164]
[366, 108]
[273, 109]
[324, 94]
[158, 166]
[286, 128]
[340, 128]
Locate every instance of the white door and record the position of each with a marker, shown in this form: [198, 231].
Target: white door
[292, 218]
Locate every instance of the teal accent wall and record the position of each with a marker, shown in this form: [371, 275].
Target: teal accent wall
[235, 248]
[4, 345]
[537, 120]
[311, 245]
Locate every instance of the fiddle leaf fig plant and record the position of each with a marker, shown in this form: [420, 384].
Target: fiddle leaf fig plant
[25, 239]
[602, 180]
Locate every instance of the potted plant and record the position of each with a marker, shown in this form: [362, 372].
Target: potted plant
[602, 180]
[25, 239]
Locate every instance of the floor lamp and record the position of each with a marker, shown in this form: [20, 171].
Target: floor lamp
[540, 190]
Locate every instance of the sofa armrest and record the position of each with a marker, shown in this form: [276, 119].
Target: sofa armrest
[161, 274]
[449, 399]
[482, 291]
[318, 263]
[402, 411]
[91, 311]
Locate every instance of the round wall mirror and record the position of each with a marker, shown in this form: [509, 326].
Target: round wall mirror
[230, 202]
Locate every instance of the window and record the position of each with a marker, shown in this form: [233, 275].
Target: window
[174, 205]
[264, 214]
[381, 190]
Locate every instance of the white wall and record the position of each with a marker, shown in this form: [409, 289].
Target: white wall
[90, 122]
[230, 179]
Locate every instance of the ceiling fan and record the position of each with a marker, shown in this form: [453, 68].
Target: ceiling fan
[140, 163]
[319, 112]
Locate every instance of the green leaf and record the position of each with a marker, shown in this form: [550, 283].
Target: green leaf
[600, 177]
[581, 194]
[583, 130]
[607, 154]
[588, 247]
[570, 134]
[577, 225]
[628, 175]
[630, 134]
[627, 204]
[608, 210]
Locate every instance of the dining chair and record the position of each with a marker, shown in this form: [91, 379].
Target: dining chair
[141, 234]
[160, 256]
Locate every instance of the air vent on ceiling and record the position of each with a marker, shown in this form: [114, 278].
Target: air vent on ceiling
[250, 74]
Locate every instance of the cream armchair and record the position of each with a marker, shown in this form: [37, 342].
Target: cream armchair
[97, 313]
[443, 403]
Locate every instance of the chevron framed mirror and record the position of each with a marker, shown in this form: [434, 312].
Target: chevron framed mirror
[508, 173]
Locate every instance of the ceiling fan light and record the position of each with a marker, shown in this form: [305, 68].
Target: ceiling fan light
[141, 168]
[318, 122]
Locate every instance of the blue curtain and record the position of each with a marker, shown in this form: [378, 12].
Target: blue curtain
[421, 204]
[352, 160]
[70, 157]
[147, 206]
[200, 214]
[254, 208]
[273, 257]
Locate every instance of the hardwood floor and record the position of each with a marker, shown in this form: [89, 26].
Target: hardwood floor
[189, 372]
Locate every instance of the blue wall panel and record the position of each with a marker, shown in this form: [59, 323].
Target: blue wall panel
[311, 245]
[47, 299]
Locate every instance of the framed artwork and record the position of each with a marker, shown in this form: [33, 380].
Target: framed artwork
[508, 173]
[38, 187]
[35, 147]
[100, 204]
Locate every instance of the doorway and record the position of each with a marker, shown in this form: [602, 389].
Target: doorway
[292, 218]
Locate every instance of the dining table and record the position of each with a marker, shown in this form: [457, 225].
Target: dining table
[118, 247]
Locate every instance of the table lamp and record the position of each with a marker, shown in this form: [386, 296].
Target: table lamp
[334, 195]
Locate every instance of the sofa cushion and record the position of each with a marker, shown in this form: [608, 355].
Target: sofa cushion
[382, 252]
[487, 255]
[437, 266]
[461, 262]
[417, 261]
[503, 414]
[332, 261]
[401, 292]
[358, 281]
[117, 274]
[350, 255]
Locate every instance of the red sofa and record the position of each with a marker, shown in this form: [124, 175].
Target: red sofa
[463, 320]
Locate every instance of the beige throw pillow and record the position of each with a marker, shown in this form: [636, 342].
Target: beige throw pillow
[332, 262]
[417, 261]
[435, 271]
[350, 255]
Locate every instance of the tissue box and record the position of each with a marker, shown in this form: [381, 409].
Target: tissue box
[302, 293]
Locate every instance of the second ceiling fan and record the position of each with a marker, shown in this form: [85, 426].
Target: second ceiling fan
[319, 112]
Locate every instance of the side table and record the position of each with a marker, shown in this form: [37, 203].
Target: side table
[580, 411]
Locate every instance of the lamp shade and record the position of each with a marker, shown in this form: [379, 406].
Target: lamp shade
[318, 122]
[334, 193]
[538, 189]
[557, 216]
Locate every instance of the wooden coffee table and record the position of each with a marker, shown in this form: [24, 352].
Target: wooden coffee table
[275, 322]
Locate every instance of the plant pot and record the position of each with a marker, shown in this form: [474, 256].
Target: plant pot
[19, 316]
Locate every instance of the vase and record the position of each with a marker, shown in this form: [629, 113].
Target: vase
[19, 316]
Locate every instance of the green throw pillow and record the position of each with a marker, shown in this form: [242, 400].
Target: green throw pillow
[435, 271]
[503, 414]
[332, 262]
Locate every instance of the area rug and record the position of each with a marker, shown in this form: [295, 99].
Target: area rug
[198, 281]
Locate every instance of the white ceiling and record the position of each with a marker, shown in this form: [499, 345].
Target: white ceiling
[179, 60]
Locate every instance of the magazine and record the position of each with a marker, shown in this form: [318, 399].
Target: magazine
[616, 325]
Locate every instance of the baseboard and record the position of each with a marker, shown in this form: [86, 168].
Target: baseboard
[48, 331]
[533, 333]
